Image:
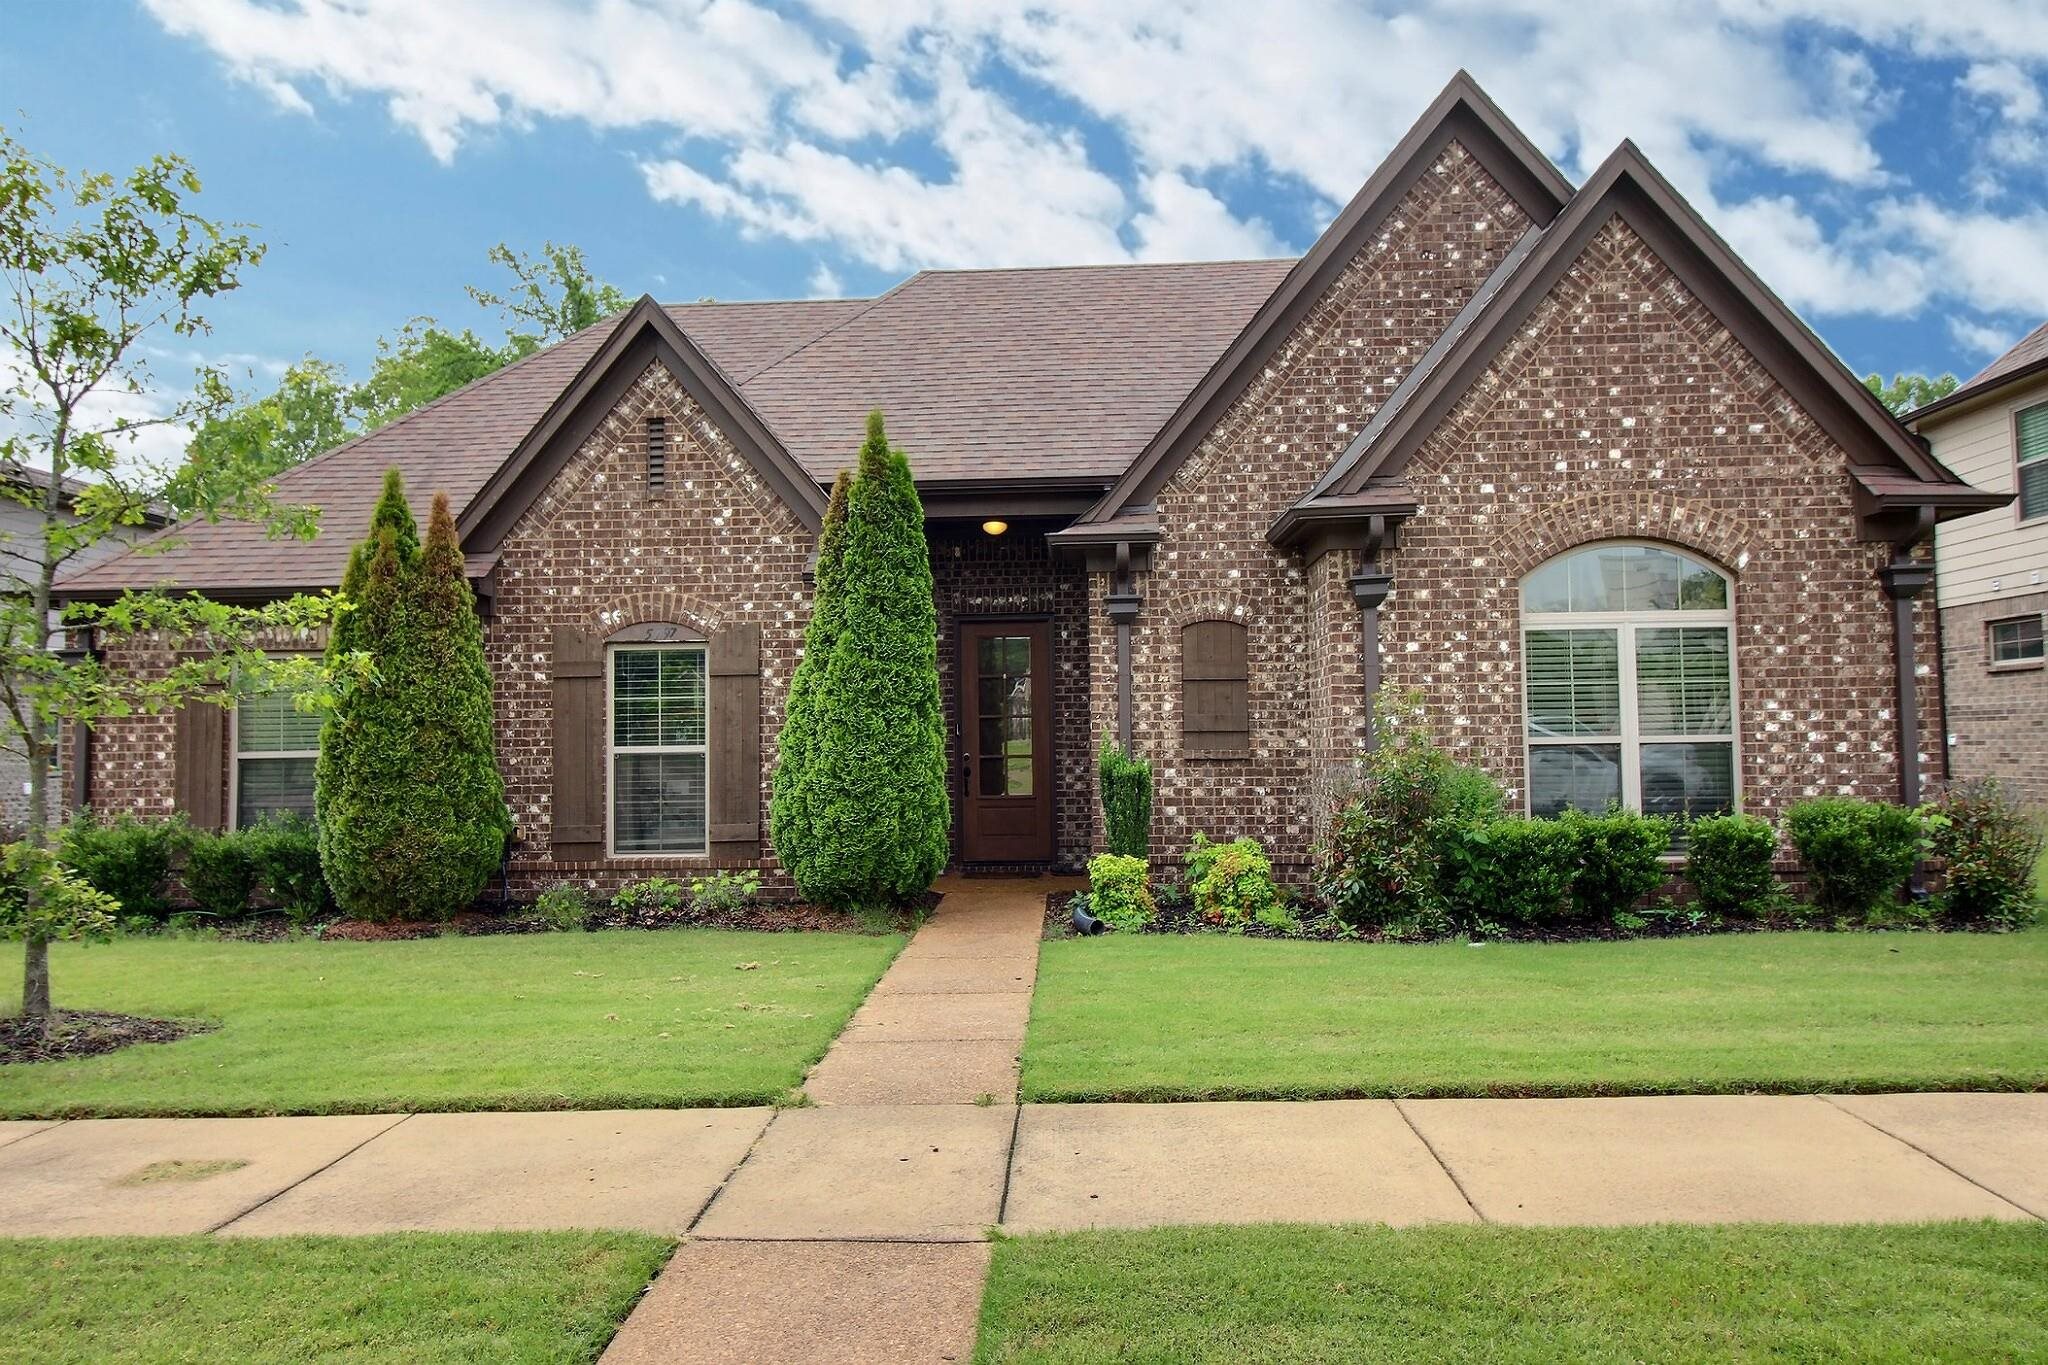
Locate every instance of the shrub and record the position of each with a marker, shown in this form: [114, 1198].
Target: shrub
[1232, 884]
[1510, 868]
[1728, 861]
[411, 806]
[563, 906]
[220, 872]
[43, 899]
[126, 858]
[1988, 845]
[879, 811]
[286, 852]
[1383, 861]
[1126, 782]
[792, 823]
[725, 892]
[1857, 853]
[1620, 860]
[658, 894]
[1118, 893]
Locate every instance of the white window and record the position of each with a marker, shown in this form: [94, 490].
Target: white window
[2017, 640]
[658, 749]
[1629, 667]
[275, 747]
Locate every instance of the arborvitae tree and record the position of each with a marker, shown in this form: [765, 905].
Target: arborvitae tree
[879, 813]
[411, 807]
[789, 808]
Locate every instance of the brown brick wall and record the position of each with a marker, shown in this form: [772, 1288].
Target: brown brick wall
[1350, 351]
[1623, 410]
[1997, 719]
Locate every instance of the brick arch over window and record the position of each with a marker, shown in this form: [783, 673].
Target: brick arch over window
[1559, 528]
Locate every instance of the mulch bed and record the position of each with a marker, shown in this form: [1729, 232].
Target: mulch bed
[87, 1033]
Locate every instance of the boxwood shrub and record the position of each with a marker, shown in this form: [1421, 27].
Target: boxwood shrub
[1509, 869]
[220, 872]
[1620, 860]
[1857, 853]
[126, 858]
[1728, 861]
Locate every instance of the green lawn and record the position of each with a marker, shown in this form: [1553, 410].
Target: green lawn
[1210, 1017]
[543, 1021]
[418, 1297]
[1950, 1291]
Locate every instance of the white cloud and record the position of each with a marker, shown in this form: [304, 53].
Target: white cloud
[895, 133]
[1982, 338]
[825, 283]
[139, 451]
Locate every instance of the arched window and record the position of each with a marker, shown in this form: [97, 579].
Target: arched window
[1629, 682]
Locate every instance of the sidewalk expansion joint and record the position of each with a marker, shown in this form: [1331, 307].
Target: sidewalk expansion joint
[1438, 1157]
[705, 1210]
[1874, 1126]
[275, 1194]
[53, 1126]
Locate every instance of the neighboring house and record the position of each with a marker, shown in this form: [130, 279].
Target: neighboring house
[1549, 455]
[21, 551]
[1993, 581]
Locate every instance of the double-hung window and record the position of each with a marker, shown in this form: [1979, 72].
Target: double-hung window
[659, 754]
[2030, 431]
[2017, 642]
[1629, 683]
[276, 746]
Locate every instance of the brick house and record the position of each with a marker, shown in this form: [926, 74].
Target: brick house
[1550, 455]
[1992, 589]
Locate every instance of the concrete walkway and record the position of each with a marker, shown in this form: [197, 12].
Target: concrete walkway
[856, 1230]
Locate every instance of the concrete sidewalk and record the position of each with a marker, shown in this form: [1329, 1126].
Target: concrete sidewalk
[856, 1230]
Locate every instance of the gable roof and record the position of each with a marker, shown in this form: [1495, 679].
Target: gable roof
[1890, 463]
[1098, 354]
[2027, 358]
[1462, 113]
[645, 334]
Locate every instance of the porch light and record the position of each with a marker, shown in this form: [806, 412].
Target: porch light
[995, 527]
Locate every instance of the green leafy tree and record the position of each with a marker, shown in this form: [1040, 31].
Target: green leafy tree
[790, 821]
[95, 271]
[411, 805]
[1909, 391]
[554, 295]
[423, 362]
[245, 447]
[880, 812]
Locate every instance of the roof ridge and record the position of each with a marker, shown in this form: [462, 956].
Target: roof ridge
[1105, 265]
[847, 321]
[765, 303]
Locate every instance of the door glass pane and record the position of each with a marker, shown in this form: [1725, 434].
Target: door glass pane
[1682, 681]
[1583, 777]
[1688, 779]
[1574, 683]
[994, 779]
[658, 803]
[991, 737]
[273, 786]
[1004, 739]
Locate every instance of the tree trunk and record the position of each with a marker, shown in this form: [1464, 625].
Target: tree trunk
[35, 967]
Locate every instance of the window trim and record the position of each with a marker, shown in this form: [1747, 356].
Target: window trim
[2019, 494]
[1998, 665]
[235, 754]
[612, 749]
[1625, 624]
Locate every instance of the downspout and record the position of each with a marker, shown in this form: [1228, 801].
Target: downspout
[1123, 603]
[78, 787]
[1369, 589]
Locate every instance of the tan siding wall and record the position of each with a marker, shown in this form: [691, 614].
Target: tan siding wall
[1989, 555]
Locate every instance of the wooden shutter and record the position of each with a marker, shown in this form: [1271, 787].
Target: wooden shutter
[199, 766]
[734, 660]
[576, 828]
[1215, 689]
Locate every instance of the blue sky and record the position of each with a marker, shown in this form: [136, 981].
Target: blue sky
[1883, 167]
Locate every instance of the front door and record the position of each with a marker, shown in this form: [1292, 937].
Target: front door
[1006, 741]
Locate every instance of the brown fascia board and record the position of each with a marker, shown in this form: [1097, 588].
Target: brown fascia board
[1464, 114]
[647, 333]
[1310, 515]
[1628, 186]
[1970, 395]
